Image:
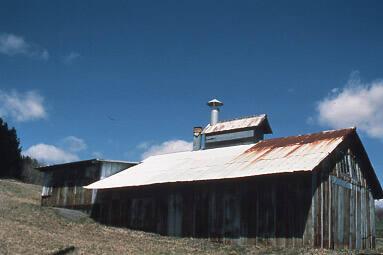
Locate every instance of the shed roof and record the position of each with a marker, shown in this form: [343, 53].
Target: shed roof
[83, 162]
[272, 156]
[246, 123]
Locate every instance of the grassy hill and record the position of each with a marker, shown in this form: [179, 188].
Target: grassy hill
[27, 228]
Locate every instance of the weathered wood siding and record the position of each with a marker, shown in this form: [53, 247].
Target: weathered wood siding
[343, 208]
[64, 187]
[271, 210]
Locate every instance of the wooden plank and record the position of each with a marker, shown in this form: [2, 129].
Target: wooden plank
[352, 218]
[320, 215]
[336, 216]
[368, 225]
[373, 233]
[346, 218]
[314, 208]
[257, 216]
[341, 217]
[325, 213]
[329, 209]
[357, 218]
[289, 219]
[274, 214]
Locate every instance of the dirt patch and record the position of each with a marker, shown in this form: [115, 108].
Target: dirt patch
[72, 215]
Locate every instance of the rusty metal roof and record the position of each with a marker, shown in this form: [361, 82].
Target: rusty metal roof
[239, 124]
[273, 156]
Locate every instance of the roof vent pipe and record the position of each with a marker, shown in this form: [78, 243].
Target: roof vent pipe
[197, 138]
[214, 105]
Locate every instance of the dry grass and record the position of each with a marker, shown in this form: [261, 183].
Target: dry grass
[27, 228]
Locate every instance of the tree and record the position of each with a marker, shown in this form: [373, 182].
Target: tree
[10, 152]
[29, 173]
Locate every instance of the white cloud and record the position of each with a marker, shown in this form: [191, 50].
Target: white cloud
[357, 104]
[143, 145]
[74, 144]
[22, 106]
[168, 147]
[12, 45]
[50, 154]
[68, 59]
[379, 203]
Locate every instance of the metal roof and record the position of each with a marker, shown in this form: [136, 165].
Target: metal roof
[81, 162]
[239, 124]
[214, 102]
[280, 155]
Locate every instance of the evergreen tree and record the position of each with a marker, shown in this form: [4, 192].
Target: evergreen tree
[10, 152]
[29, 173]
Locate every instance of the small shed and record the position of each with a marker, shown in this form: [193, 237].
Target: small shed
[63, 183]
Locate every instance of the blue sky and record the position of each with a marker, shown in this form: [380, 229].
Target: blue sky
[121, 79]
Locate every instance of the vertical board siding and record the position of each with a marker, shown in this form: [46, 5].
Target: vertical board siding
[63, 184]
[271, 211]
[346, 207]
[66, 185]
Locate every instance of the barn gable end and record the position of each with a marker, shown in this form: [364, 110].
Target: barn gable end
[342, 213]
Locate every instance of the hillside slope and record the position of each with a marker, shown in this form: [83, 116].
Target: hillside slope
[27, 228]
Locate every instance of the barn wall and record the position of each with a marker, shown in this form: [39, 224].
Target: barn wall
[269, 210]
[107, 169]
[63, 184]
[63, 187]
[343, 212]
[111, 168]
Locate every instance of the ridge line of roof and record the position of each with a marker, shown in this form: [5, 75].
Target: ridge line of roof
[314, 133]
[243, 117]
[301, 140]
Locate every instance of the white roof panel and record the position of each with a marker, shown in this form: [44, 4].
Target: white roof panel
[235, 124]
[281, 155]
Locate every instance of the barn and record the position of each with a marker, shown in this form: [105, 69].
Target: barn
[314, 190]
[63, 183]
